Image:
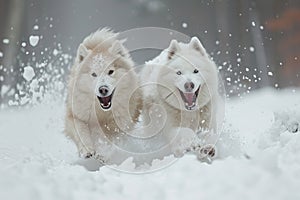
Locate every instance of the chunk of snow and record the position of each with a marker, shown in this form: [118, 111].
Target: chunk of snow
[251, 49]
[23, 44]
[34, 40]
[55, 52]
[5, 41]
[35, 27]
[270, 73]
[1, 54]
[253, 23]
[28, 73]
[184, 25]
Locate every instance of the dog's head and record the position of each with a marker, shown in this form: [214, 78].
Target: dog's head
[188, 76]
[105, 71]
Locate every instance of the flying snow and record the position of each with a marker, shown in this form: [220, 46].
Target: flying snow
[5, 41]
[55, 52]
[34, 40]
[1, 54]
[28, 73]
[184, 25]
[251, 49]
[35, 27]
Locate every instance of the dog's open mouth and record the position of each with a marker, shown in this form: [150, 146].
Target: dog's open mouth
[189, 98]
[106, 101]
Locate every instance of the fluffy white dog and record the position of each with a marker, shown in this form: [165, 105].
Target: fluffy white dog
[103, 94]
[183, 82]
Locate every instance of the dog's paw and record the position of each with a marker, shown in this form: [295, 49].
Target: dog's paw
[93, 155]
[293, 127]
[178, 152]
[83, 153]
[101, 159]
[180, 149]
[207, 153]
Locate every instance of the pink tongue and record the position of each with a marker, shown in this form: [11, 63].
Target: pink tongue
[189, 97]
[105, 100]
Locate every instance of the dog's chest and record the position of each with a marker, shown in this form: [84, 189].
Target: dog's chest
[189, 119]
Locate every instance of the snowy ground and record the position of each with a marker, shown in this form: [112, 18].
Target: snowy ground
[38, 162]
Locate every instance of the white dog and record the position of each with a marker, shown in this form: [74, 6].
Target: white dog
[183, 81]
[103, 96]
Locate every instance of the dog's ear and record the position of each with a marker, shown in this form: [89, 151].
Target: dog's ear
[172, 49]
[118, 48]
[82, 52]
[196, 44]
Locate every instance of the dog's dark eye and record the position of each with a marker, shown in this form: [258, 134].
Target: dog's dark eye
[196, 71]
[178, 73]
[94, 74]
[110, 72]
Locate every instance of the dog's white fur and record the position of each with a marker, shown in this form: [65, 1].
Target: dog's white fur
[86, 123]
[162, 81]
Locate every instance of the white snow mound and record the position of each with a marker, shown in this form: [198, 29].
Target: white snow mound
[260, 158]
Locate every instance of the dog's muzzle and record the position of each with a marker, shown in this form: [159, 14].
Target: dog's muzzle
[189, 98]
[105, 99]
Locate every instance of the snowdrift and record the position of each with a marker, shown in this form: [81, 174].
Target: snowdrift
[259, 150]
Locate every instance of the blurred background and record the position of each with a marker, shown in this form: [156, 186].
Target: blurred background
[254, 43]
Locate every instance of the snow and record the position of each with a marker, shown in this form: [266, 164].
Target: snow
[184, 25]
[55, 52]
[34, 40]
[251, 49]
[259, 151]
[28, 73]
[1, 54]
[35, 27]
[5, 41]
[270, 73]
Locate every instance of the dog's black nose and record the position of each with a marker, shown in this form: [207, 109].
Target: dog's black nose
[189, 86]
[103, 90]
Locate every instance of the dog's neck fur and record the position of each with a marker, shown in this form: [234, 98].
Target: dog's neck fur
[119, 120]
[196, 119]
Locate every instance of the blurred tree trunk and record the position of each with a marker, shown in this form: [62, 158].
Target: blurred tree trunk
[13, 28]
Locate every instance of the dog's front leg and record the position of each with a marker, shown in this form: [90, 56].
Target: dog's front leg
[85, 144]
